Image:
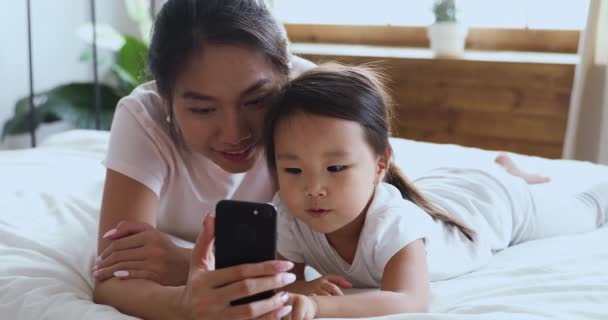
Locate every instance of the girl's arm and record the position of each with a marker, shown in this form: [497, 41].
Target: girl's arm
[405, 288]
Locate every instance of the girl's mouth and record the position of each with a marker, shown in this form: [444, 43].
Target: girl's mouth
[318, 213]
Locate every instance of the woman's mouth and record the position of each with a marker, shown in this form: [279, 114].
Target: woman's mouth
[238, 155]
[318, 213]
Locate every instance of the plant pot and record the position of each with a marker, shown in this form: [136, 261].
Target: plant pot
[448, 39]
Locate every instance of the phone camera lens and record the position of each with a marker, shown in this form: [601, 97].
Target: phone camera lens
[267, 214]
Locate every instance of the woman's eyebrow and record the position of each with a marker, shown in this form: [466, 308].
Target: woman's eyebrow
[193, 95]
[256, 86]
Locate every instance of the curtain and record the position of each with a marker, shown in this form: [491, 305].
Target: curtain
[587, 130]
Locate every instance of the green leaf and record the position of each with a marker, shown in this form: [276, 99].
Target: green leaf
[133, 59]
[104, 58]
[73, 103]
[126, 82]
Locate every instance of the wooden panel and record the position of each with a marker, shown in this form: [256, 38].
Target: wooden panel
[487, 124]
[552, 151]
[454, 96]
[519, 107]
[565, 41]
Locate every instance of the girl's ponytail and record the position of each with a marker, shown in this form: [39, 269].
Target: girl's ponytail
[395, 177]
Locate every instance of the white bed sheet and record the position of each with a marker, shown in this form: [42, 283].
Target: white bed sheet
[49, 204]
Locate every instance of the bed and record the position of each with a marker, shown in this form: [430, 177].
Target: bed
[49, 205]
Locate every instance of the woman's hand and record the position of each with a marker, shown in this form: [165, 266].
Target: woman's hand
[328, 285]
[304, 308]
[208, 292]
[139, 251]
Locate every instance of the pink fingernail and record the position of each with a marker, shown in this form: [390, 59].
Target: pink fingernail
[288, 278]
[95, 267]
[97, 260]
[284, 265]
[284, 297]
[121, 274]
[284, 311]
[95, 274]
[109, 233]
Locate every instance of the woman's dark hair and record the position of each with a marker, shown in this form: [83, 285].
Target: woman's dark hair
[185, 27]
[355, 94]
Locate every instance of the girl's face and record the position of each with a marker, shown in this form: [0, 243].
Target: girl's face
[327, 172]
[220, 101]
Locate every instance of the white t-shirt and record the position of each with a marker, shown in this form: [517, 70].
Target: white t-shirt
[188, 184]
[391, 224]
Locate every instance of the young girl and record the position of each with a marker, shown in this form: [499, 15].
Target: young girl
[348, 212]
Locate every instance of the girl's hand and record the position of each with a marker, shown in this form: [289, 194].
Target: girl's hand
[304, 308]
[328, 285]
[139, 251]
[208, 292]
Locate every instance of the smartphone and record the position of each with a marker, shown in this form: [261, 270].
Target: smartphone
[245, 232]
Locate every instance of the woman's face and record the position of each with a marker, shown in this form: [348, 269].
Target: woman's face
[220, 101]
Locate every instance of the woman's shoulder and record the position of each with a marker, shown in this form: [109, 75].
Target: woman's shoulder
[145, 104]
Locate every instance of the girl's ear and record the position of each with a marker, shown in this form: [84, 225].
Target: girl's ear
[383, 163]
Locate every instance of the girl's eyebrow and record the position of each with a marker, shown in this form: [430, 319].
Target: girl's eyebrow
[336, 154]
[287, 156]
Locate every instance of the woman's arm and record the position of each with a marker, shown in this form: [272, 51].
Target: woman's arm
[125, 199]
[207, 293]
[405, 288]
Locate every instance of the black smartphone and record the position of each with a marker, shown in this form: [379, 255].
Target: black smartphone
[245, 232]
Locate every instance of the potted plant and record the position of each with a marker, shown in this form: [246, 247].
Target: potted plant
[447, 35]
[71, 105]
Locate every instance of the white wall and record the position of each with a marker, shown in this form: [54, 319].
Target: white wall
[56, 47]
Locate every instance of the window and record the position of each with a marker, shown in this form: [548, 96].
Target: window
[513, 14]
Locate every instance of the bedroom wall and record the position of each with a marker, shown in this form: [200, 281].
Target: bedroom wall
[55, 44]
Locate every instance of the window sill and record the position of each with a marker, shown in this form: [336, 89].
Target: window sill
[426, 54]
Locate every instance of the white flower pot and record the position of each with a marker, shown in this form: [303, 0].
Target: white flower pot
[448, 39]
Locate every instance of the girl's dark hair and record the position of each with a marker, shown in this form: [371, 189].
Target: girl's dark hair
[355, 94]
[185, 27]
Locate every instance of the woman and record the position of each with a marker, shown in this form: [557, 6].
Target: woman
[180, 144]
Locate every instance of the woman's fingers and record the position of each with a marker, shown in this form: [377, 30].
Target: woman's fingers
[252, 270]
[125, 270]
[263, 309]
[130, 242]
[126, 228]
[202, 252]
[121, 256]
[254, 285]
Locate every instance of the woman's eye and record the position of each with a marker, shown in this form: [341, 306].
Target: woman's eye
[257, 101]
[202, 111]
[336, 168]
[293, 170]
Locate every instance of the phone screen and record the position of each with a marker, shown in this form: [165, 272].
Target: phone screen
[245, 232]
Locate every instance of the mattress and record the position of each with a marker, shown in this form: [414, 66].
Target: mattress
[49, 206]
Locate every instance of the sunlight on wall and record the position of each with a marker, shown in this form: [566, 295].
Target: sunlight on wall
[536, 14]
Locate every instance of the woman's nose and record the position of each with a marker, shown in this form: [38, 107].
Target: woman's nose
[234, 129]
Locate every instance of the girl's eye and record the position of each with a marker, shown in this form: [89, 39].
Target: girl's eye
[336, 168]
[201, 111]
[293, 170]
